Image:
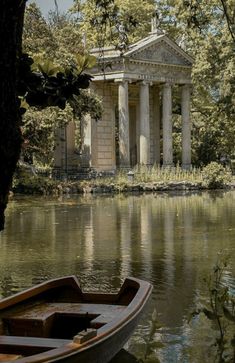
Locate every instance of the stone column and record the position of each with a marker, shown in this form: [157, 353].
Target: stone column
[86, 135]
[186, 126]
[156, 124]
[167, 124]
[123, 108]
[144, 124]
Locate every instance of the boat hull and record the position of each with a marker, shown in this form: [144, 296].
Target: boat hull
[113, 319]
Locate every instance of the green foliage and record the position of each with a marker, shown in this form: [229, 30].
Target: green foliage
[38, 38]
[39, 132]
[87, 103]
[201, 28]
[165, 175]
[216, 176]
[27, 183]
[151, 344]
[45, 83]
[220, 311]
[153, 175]
[115, 22]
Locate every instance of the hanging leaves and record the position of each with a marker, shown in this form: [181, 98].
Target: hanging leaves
[43, 83]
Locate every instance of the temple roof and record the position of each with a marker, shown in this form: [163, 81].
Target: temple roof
[155, 53]
[155, 48]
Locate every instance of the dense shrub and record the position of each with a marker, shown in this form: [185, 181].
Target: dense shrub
[33, 184]
[215, 176]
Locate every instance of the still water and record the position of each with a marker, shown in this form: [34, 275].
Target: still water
[170, 240]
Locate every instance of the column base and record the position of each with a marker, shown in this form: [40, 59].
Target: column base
[165, 166]
[186, 166]
[124, 167]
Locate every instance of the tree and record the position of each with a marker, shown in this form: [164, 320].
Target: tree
[41, 87]
[39, 133]
[58, 39]
[11, 27]
[108, 22]
[203, 29]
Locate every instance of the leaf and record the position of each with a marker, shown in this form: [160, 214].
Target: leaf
[85, 61]
[91, 61]
[48, 68]
[24, 104]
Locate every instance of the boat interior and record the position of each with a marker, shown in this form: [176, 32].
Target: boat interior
[52, 318]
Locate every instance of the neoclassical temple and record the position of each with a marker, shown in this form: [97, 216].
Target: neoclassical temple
[136, 91]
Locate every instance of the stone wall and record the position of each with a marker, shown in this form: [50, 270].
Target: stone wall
[103, 131]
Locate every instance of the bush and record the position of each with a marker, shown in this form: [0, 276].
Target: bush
[215, 176]
[33, 184]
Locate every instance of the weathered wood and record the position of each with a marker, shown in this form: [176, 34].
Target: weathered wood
[38, 320]
[9, 357]
[84, 336]
[43, 311]
[48, 343]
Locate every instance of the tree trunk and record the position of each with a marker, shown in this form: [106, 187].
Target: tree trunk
[11, 27]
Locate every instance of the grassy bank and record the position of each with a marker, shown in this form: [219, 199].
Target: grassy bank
[140, 179]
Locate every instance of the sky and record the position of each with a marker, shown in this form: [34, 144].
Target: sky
[46, 5]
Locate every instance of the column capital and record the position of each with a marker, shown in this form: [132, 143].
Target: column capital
[146, 83]
[167, 85]
[122, 80]
[187, 87]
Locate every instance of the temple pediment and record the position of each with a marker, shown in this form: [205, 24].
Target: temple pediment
[155, 58]
[159, 49]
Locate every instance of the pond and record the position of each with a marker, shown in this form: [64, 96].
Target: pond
[170, 240]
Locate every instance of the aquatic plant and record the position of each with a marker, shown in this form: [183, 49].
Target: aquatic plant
[219, 309]
[150, 343]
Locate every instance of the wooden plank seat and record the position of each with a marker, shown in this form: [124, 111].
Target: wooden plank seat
[38, 320]
[15, 346]
[45, 311]
[9, 357]
[45, 343]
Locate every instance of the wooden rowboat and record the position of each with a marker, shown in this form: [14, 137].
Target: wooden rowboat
[57, 322]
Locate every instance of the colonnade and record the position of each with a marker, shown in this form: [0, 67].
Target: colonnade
[144, 123]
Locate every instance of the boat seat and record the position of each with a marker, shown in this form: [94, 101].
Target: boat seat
[38, 320]
[48, 343]
[9, 357]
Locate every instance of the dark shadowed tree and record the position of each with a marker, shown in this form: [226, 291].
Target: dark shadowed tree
[11, 27]
[40, 86]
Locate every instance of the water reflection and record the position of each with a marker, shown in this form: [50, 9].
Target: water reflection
[125, 357]
[171, 241]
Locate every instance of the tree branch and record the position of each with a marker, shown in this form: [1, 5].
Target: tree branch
[228, 20]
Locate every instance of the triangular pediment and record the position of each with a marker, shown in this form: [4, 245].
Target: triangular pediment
[160, 50]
